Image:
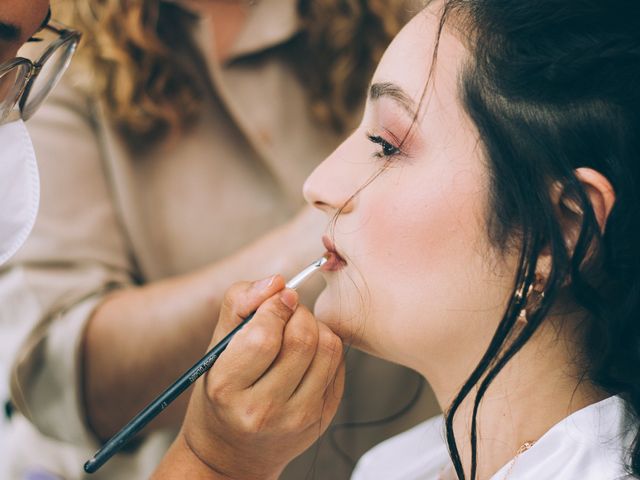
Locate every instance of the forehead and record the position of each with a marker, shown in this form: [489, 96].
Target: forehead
[409, 59]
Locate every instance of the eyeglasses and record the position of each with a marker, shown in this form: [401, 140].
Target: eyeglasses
[26, 84]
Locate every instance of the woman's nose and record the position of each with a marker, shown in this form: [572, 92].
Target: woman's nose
[331, 186]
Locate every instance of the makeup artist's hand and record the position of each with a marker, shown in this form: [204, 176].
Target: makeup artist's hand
[269, 396]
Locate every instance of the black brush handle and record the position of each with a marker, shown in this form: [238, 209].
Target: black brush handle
[151, 411]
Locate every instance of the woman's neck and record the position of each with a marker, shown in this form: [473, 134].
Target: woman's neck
[538, 388]
[228, 18]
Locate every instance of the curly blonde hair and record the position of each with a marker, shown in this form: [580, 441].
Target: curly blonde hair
[146, 68]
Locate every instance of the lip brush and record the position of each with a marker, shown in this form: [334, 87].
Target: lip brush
[120, 439]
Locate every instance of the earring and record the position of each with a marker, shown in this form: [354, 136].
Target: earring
[532, 298]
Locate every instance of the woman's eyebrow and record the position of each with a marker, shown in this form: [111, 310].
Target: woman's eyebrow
[393, 91]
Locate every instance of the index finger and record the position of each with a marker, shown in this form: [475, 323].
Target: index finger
[254, 348]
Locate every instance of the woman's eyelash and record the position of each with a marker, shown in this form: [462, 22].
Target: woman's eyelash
[388, 149]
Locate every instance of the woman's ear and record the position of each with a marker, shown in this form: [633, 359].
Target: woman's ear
[600, 193]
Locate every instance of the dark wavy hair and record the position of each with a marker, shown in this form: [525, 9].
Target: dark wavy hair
[552, 86]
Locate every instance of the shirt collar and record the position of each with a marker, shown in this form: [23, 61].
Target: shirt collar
[269, 23]
[590, 443]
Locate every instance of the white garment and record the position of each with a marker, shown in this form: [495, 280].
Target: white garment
[19, 188]
[590, 444]
[19, 201]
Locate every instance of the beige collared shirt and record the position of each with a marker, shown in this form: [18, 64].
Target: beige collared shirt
[111, 217]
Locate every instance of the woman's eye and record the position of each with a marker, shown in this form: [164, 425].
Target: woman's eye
[387, 150]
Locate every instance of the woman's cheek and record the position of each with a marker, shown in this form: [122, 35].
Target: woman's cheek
[410, 246]
[408, 229]
[419, 235]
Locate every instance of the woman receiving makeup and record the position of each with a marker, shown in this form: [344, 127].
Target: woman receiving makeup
[484, 231]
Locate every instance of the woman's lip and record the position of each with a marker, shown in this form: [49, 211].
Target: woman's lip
[334, 259]
[334, 262]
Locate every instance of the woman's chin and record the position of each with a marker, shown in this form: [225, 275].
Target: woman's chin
[341, 320]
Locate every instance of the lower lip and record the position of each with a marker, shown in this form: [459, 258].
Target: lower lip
[334, 262]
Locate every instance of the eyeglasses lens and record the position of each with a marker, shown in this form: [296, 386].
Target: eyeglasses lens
[49, 76]
[11, 85]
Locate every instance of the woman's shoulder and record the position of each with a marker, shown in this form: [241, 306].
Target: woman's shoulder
[590, 444]
[419, 453]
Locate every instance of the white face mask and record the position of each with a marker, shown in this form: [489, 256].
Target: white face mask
[19, 188]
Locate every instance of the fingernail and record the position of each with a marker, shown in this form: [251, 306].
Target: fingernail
[263, 284]
[289, 298]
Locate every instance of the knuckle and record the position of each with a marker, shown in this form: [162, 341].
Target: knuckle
[329, 343]
[275, 308]
[301, 338]
[217, 392]
[301, 419]
[256, 417]
[260, 338]
[234, 295]
[300, 343]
